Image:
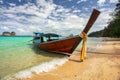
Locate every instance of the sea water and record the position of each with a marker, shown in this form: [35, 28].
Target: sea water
[19, 58]
[18, 54]
[92, 44]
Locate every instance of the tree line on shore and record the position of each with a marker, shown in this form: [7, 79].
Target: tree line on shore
[113, 28]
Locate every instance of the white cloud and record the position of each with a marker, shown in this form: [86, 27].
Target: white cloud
[85, 8]
[1, 1]
[113, 1]
[19, 0]
[101, 2]
[21, 30]
[45, 17]
[76, 11]
[81, 1]
[39, 22]
[60, 9]
[5, 28]
[12, 4]
[11, 23]
[73, 21]
[44, 11]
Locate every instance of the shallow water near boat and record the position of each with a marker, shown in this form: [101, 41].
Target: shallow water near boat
[18, 54]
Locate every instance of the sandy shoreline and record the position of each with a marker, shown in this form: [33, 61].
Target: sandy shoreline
[102, 64]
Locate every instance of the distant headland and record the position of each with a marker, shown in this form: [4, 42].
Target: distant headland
[6, 33]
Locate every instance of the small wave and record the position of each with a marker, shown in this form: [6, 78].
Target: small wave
[94, 48]
[43, 67]
[99, 45]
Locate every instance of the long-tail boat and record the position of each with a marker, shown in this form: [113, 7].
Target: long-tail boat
[66, 45]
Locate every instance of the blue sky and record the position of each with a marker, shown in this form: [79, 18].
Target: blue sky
[63, 17]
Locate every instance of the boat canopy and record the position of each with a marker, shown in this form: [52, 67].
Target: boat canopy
[46, 35]
[50, 34]
[38, 33]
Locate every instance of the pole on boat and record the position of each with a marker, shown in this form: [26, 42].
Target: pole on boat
[91, 21]
[83, 35]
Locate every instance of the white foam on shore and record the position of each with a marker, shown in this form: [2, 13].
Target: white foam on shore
[94, 48]
[44, 67]
[99, 45]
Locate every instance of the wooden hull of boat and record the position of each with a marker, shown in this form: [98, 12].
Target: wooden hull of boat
[60, 46]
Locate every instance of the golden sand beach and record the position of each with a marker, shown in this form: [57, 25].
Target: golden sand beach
[101, 64]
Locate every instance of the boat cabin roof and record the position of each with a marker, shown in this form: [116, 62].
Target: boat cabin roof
[50, 34]
[46, 35]
[38, 33]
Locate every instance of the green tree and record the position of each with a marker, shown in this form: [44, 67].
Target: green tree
[113, 28]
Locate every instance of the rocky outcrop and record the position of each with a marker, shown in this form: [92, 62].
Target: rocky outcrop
[13, 33]
[8, 34]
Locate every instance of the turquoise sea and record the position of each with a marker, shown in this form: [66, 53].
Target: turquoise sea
[18, 54]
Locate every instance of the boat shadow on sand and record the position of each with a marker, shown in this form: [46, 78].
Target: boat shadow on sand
[45, 53]
[51, 54]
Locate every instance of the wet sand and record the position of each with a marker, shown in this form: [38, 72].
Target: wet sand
[103, 63]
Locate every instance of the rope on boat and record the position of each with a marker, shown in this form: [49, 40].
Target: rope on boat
[83, 50]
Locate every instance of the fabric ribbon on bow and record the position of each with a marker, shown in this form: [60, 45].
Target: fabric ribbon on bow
[83, 50]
